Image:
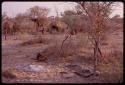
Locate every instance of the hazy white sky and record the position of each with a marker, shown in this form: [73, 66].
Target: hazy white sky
[13, 8]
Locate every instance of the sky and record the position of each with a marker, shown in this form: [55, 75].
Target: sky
[14, 8]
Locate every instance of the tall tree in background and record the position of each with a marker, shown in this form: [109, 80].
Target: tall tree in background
[36, 13]
[5, 25]
[70, 18]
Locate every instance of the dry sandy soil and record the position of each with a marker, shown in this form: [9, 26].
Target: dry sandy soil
[16, 56]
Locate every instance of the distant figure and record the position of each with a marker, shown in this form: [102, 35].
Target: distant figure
[73, 32]
[42, 30]
[40, 57]
[54, 28]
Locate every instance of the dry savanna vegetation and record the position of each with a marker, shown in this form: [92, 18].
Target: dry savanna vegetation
[83, 45]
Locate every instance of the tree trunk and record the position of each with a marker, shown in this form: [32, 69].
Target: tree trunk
[37, 26]
[95, 59]
[5, 34]
[96, 56]
[61, 49]
[43, 29]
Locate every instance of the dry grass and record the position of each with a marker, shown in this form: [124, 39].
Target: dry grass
[35, 41]
[112, 67]
[8, 74]
[79, 48]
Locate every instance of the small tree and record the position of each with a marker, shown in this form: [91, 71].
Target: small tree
[7, 25]
[5, 29]
[97, 13]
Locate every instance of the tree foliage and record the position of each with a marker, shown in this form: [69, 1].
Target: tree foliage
[37, 11]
